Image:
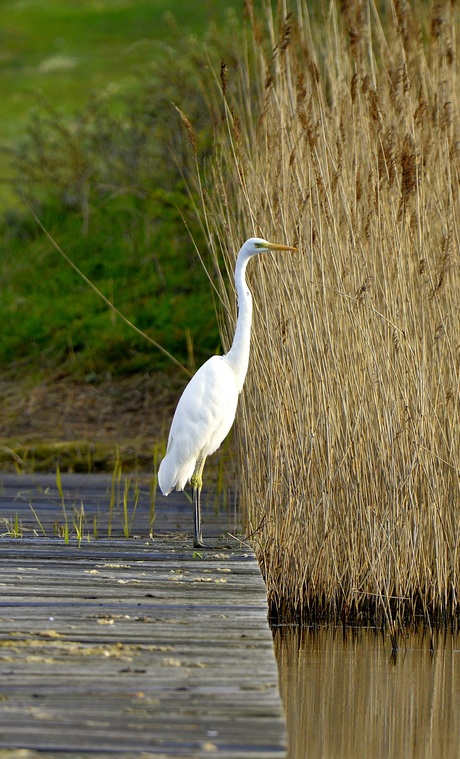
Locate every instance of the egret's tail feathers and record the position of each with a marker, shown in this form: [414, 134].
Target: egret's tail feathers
[164, 477]
[173, 475]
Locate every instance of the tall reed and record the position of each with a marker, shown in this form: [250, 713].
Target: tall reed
[340, 133]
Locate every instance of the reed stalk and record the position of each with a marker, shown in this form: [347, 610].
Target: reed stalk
[340, 133]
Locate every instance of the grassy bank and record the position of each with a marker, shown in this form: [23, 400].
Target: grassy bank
[96, 149]
[104, 172]
[67, 52]
[348, 430]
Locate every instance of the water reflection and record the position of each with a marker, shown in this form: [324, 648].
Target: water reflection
[349, 698]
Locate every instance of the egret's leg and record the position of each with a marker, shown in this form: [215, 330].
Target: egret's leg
[197, 484]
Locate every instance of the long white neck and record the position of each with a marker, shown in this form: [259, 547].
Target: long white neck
[238, 355]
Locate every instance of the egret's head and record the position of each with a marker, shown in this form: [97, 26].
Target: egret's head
[256, 245]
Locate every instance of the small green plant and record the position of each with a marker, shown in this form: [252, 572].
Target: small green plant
[60, 490]
[128, 517]
[79, 521]
[13, 527]
[157, 453]
[114, 490]
[38, 520]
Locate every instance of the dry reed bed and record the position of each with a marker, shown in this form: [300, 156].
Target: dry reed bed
[342, 135]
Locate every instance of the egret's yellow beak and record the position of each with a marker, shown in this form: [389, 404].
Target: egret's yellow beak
[278, 246]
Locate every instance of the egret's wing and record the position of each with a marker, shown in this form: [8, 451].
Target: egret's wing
[203, 418]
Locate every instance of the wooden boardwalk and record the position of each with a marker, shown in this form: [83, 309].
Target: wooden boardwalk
[131, 647]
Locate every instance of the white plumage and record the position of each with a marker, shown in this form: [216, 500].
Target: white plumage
[207, 407]
[201, 422]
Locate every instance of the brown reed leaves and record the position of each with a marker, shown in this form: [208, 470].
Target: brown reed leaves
[348, 433]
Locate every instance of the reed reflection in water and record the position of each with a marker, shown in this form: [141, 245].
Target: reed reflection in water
[350, 699]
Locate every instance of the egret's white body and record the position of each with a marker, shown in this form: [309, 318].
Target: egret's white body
[207, 407]
[201, 422]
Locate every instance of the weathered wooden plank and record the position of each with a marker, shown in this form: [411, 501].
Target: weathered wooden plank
[132, 647]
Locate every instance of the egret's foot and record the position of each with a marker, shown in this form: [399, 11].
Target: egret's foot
[200, 544]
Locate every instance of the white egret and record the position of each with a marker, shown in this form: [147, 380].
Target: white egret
[207, 407]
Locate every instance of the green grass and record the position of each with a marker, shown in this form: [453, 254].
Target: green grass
[66, 51]
[101, 156]
[72, 522]
[57, 320]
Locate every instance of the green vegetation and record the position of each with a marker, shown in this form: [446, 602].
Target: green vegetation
[98, 151]
[71, 521]
[69, 51]
[141, 261]
[108, 184]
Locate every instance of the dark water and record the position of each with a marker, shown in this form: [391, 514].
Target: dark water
[351, 699]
